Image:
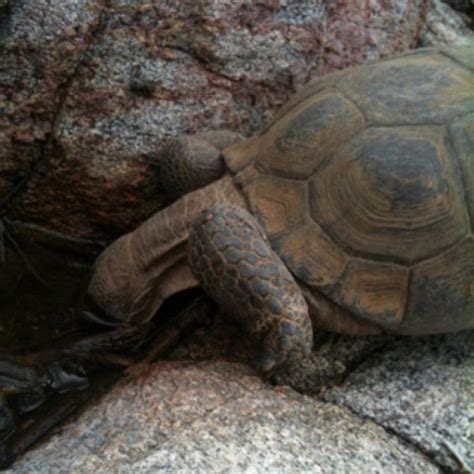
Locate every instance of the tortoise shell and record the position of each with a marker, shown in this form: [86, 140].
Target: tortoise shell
[364, 183]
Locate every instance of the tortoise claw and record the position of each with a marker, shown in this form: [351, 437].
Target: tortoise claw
[29, 387]
[265, 362]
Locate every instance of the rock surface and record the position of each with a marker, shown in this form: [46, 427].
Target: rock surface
[90, 89]
[422, 389]
[407, 407]
[41, 44]
[442, 27]
[219, 417]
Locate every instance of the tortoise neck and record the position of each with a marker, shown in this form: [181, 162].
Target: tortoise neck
[159, 244]
[150, 263]
[169, 229]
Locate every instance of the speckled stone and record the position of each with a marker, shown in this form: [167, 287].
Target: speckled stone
[423, 390]
[41, 44]
[442, 27]
[218, 417]
[91, 89]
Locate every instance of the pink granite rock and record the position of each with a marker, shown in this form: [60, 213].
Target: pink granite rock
[41, 45]
[90, 90]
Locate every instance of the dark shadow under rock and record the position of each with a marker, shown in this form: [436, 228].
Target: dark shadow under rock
[40, 283]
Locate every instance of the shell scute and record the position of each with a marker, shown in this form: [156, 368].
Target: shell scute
[389, 192]
[364, 184]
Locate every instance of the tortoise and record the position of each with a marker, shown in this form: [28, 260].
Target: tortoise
[352, 211]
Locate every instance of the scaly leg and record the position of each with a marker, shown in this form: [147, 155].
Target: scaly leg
[232, 259]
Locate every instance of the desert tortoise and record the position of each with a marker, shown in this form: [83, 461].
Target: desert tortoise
[352, 211]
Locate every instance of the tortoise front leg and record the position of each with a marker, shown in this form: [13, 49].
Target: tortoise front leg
[234, 263]
[193, 161]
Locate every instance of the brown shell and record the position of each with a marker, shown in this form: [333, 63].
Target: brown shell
[365, 185]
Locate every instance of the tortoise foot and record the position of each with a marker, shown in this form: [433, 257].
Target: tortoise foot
[24, 388]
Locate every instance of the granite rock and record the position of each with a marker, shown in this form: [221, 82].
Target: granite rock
[422, 389]
[404, 405]
[41, 44]
[218, 417]
[464, 6]
[91, 89]
[442, 27]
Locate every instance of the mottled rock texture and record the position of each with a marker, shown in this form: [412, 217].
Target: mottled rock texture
[464, 6]
[392, 405]
[41, 43]
[90, 89]
[443, 27]
[219, 417]
[422, 389]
